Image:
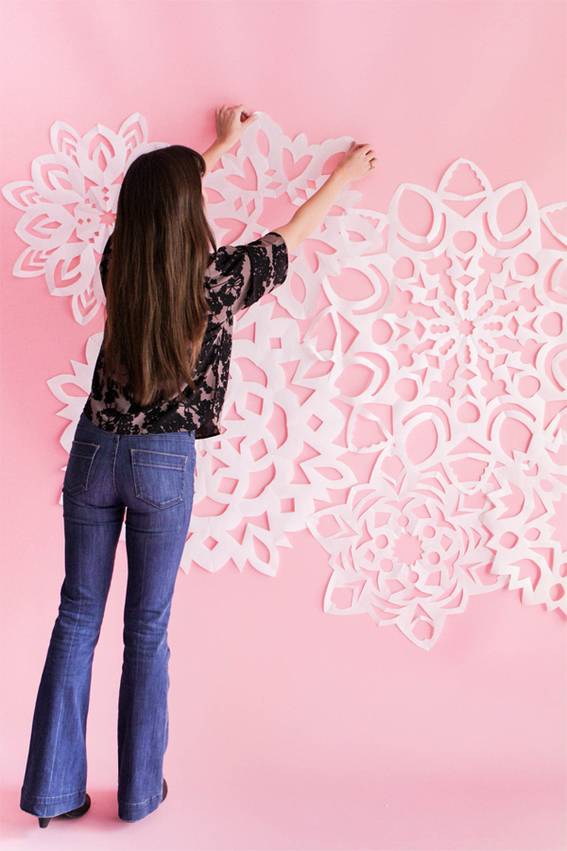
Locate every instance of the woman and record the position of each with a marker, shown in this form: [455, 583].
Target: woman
[158, 385]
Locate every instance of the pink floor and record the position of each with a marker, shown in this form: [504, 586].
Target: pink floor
[387, 749]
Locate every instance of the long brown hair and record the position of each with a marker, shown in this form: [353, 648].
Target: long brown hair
[156, 309]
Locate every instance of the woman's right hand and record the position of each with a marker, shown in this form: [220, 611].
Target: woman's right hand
[358, 161]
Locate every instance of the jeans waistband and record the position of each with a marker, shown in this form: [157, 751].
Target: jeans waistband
[85, 424]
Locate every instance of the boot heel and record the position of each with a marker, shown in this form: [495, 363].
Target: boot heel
[76, 813]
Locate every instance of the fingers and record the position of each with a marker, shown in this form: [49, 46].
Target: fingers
[235, 109]
[368, 153]
[363, 149]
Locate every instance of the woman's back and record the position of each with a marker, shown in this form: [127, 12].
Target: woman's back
[236, 277]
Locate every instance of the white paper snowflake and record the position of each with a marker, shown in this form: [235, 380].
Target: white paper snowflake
[69, 208]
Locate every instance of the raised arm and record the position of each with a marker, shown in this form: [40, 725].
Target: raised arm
[358, 161]
[242, 274]
[230, 123]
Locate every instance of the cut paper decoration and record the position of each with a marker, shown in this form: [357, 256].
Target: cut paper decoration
[69, 208]
[248, 475]
[403, 395]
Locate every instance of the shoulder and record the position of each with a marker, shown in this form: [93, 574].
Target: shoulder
[225, 261]
[229, 260]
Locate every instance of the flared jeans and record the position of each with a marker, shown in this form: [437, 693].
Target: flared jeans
[148, 479]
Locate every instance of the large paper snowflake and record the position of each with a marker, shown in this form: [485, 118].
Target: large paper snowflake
[430, 386]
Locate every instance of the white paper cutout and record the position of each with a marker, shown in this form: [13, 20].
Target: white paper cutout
[65, 246]
[451, 335]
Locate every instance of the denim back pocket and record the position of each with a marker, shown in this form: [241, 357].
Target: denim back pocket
[79, 466]
[159, 477]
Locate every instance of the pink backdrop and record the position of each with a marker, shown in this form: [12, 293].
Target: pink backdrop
[289, 728]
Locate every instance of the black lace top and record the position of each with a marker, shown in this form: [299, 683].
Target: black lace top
[236, 277]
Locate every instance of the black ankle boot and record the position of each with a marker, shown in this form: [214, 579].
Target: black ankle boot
[164, 790]
[78, 811]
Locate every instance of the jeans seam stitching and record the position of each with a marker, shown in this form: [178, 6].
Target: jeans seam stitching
[65, 672]
[52, 797]
[139, 803]
[114, 467]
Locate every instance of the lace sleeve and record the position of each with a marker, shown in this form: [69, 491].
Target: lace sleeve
[246, 272]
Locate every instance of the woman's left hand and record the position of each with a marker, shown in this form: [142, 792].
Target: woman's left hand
[231, 121]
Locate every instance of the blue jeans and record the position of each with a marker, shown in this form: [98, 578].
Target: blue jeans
[152, 477]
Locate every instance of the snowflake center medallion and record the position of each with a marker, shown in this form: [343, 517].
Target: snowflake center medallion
[408, 549]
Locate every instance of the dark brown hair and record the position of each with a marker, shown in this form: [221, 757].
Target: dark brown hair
[156, 309]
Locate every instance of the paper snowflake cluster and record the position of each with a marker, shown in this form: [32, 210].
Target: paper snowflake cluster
[415, 423]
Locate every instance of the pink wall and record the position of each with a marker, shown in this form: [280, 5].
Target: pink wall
[289, 728]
